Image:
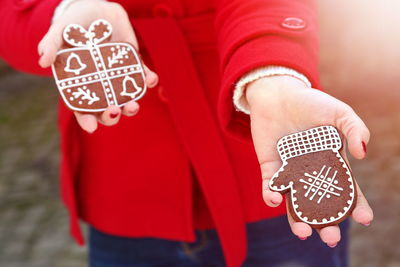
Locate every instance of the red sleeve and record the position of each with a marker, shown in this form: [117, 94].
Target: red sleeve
[255, 33]
[23, 23]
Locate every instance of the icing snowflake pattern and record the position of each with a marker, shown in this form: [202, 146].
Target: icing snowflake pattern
[321, 184]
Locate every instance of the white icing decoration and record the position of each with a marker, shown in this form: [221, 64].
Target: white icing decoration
[89, 34]
[313, 136]
[81, 67]
[127, 80]
[117, 57]
[89, 41]
[86, 95]
[318, 181]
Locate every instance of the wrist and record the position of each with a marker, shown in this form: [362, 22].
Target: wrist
[267, 87]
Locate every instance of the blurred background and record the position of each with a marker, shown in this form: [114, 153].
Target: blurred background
[360, 64]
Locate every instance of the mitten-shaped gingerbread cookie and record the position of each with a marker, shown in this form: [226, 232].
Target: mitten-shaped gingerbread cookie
[92, 74]
[319, 186]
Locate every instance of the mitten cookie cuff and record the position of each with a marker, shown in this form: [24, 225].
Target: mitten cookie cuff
[312, 140]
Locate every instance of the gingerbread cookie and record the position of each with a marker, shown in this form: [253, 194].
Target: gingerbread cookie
[93, 74]
[318, 183]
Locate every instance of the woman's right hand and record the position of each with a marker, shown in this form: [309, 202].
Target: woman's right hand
[84, 12]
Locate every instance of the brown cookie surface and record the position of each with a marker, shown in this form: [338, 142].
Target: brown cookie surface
[318, 183]
[91, 76]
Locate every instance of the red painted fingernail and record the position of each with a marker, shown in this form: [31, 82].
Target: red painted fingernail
[364, 147]
[367, 224]
[302, 238]
[114, 115]
[332, 245]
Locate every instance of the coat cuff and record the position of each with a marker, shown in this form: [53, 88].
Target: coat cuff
[260, 52]
[21, 29]
[239, 98]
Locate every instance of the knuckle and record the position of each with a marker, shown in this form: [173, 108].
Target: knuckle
[118, 10]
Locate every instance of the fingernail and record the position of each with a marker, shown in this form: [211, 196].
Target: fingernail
[332, 245]
[273, 202]
[302, 238]
[132, 111]
[366, 224]
[364, 147]
[114, 115]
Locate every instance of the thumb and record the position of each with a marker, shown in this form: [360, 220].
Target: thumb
[265, 137]
[49, 46]
[354, 129]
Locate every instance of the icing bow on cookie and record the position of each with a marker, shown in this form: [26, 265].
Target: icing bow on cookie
[98, 31]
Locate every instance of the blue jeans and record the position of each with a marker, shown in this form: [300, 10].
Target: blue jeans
[270, 243]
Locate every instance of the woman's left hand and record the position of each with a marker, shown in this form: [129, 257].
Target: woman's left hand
[281, 105]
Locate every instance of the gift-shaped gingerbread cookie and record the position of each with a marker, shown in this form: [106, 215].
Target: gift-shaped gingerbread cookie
[318, 183]
[92, 74]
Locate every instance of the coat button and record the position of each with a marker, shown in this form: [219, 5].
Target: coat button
[161, 94]
[22, 5]
[162, 10]
[293, 23]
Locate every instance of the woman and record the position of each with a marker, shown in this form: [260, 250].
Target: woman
[167, 175]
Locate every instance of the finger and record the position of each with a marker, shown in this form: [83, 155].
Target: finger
[265, 137]
[110, 116]
[300, 229]
[362, 212]
[272, 199]
[151, 77]
[330, 235]
[354, 129]
[130, 109]
[87, 122]
[122, 30]
[49, 46]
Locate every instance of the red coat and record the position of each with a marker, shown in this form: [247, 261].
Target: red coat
[178, 165]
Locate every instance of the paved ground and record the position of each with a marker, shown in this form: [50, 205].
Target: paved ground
[359, 64]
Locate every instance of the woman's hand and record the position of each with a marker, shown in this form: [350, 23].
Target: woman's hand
[84, 12]
[281, 105]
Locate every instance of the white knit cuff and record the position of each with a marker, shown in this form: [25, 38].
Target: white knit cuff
[239, 98]
[61, 8]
